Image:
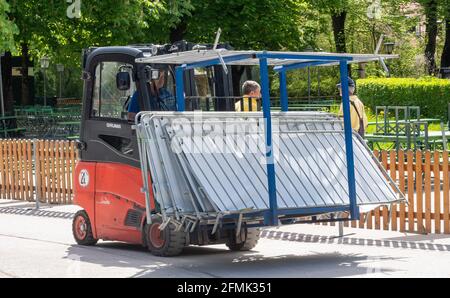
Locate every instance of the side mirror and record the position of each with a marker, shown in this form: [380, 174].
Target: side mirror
[123, 81]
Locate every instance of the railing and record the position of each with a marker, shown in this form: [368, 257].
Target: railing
[233, 103]
[42, 122]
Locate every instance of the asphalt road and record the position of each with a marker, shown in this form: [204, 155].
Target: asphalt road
[40, 244]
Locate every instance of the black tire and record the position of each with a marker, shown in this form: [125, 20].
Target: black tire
[251, 236]
[84, 236]
[169, 243]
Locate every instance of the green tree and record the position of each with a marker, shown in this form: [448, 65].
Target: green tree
[245, 24]
[431, 13]
[7, 31]
[338, 11]
[102, 23]
[264, 24]
[7, 28]
[45, 28]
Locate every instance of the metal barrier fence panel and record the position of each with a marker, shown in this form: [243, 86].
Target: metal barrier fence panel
[221, 163]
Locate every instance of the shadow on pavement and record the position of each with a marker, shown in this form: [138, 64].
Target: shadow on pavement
[429, 237]
[30, 211]
[255, 265]
[217, 262]
[392, 243]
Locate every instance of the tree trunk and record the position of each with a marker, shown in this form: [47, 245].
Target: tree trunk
[431, 13]
[338, 19]
[445, 59]
[25, 78]
[7, 82]
[177, 33]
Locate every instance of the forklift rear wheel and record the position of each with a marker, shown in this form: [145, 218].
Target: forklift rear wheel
[164, 243]
[82, 229]
[250, 239]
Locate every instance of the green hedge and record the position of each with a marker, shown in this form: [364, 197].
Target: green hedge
[431, 94]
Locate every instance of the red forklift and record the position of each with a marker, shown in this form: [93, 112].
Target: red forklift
[107, 178]
[125, 196]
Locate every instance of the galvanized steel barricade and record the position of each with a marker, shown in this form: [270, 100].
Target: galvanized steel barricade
[207, 164]
[31, 169]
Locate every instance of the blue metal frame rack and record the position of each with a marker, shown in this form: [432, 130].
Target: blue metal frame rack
[271, 216]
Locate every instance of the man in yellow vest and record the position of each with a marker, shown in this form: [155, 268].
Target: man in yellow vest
[357, 113]
[251, 91]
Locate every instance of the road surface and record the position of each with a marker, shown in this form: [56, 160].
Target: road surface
[40, 244]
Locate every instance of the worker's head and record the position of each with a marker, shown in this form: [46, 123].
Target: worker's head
[251, 89]
[351, 87]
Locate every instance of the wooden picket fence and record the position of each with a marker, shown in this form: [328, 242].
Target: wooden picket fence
[31, 169]
[424, 179]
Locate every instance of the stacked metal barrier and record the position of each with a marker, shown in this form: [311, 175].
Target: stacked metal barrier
[204, 164]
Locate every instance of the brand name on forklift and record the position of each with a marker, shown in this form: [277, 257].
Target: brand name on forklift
[113, 125]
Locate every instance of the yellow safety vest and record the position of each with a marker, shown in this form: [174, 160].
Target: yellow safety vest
[247, 100]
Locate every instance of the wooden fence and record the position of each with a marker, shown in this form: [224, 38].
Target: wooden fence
[424, 179]
[43, 169]
[37, 169]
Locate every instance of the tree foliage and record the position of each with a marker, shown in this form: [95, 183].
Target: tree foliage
[7, 28]
[43, 27]
[264, 24]
[268, 24]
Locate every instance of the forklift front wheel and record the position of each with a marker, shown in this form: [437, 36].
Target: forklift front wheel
[164, 243]
[248, 241]
[82, 229]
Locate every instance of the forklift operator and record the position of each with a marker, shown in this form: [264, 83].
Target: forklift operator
[160, 97]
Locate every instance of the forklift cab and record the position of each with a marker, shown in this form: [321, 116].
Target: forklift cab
[112, 77]
[106, 182]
